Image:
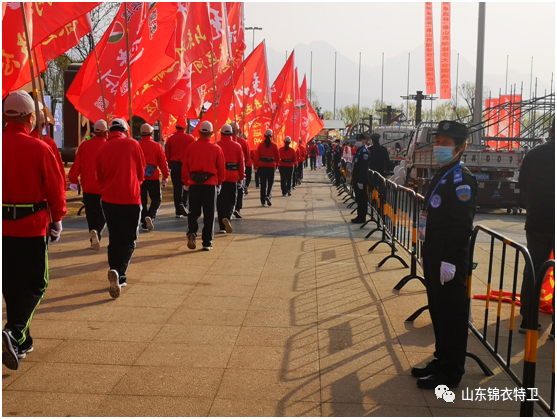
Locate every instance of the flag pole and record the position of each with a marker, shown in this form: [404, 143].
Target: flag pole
[128, 64]
[33, 81]
[335, 91]
[215, 92]
[310, 75]
[160, 117]
[98, 66]
[39, 90]
[359, 89]
[244, 78]
[230, 59]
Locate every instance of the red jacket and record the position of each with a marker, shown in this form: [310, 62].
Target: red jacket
[313, 150]
[245, 150]
[52, 144]
[30, 175]
[233, 155]
[289, 154]
[302, 153]
[176, 146]
[154, 154]
[204, 157]
[85, 164]
[120, 170]
[270, 152]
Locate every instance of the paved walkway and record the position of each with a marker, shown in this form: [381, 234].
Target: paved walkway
[288, 316]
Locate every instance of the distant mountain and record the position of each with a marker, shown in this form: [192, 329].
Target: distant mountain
[395, 75]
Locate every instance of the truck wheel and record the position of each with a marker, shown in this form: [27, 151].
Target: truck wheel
[508, 210]
[520, 211]
[515, 212]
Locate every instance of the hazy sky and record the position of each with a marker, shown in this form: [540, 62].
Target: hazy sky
[519, 30]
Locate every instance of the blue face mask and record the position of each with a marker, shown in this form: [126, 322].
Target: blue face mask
[443, 154]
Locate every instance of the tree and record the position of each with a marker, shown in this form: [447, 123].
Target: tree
[349, 114]
[328, 115]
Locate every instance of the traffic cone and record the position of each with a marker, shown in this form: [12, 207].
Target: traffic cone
[546, 297]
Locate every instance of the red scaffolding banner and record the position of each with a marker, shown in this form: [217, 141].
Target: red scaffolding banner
[445, 62]
[491, 118]
[429, 56]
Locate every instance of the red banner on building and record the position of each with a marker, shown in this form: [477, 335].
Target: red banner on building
[429, 54]
[445, 61]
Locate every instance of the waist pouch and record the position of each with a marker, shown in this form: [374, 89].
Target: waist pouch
[150, 169]
[200, 177]
[18, 211]
[288, 160]
[267, 159]
[231, 166]
[173, 165]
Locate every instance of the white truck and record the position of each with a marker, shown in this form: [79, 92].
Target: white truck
[396, 139]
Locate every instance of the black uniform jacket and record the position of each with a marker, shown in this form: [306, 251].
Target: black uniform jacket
[379, 159]
[337, 156]
[360, 166]
[450, 215]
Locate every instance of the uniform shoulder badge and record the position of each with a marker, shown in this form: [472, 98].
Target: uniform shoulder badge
[435, 201]
[464, 193]
[366, 156]
[457, 176]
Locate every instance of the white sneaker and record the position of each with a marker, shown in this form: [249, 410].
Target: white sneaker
[222, 232]
[114, 289]
[207, 248]
[149, 223]
[95, 244]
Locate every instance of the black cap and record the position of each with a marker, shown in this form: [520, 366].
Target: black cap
[375, 137]
[360, 137]
[453, 129]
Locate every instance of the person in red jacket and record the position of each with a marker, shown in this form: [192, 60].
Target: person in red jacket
[176, 146]
[247, 162]
[32, 196]
[50, 142]
[301, 161]
[249, 165]
[120, 172]
[313, 152]
[85, 165]
[234, 164]
[203, 173]
[151, 186]
[286, 166]
[266, 161]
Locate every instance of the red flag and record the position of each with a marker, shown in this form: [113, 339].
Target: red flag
[548, 288]
[445, 62]
[283, 118]
[299, 103]
[429, 55]
[66, 38]
[277, 87]
[304, 132]
[316, 125]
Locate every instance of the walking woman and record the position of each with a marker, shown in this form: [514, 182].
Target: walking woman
[266, 160]
[286, 166]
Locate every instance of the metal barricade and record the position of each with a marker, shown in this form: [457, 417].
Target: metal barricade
[531, 349]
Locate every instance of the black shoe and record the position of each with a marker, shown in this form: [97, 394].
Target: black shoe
[430, 368]
[268, 201]
[191, 242]
[523, 328]
[9, 352]
[237, 214]
[431, 381]
[357, 221]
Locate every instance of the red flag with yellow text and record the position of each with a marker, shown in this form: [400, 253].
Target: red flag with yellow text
[283, 125]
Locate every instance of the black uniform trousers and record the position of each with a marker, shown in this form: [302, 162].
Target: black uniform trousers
[257, 179]
[151, 188]
[301, 171]
[286, 178]
[203, 197]
[123, 228]
[361, 200]
[239, 197]
[313, 162]
[226, 201]
[94, 213]
[336, 170]
[540, 246]
[249, 170]
[180, 195]
[267, 179]
[24, 281]
[448, 305]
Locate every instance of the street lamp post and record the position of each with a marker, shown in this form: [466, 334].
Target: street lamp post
[253, 28]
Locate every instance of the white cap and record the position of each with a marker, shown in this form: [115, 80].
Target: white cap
[234, 125]
[119, 123]
[287, 139]
[206, 127]
[100, 126]
[226, 129]
[146, 129]
[269, 133]
[19, 103]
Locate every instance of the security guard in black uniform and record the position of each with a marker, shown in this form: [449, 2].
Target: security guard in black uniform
[360, 167]
[446, 224]
[337, 157]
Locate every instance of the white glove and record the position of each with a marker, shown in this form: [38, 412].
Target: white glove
[164, 183]
[240, 183]
[447, 272]
[186, 187]
[218, 189]
[73, 187]
[55, 233]
[360, 186]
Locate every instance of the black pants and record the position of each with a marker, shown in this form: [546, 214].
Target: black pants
[123, 228]
[226, 202]
[286, 178]
[361, 200]
[203, 197]
[540, 246]
[180, 195]
[305, 163]
[313, 162]
[301, 170]
[239, 198]
[94, 212]
[24, 281]
[257, 179]
[448, 306]
[337, 175]
[249, 170]
[267, 179]
[153, 189]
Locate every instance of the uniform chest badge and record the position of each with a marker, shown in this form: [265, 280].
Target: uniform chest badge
[366, 156]
[435, 201]
[464, 193]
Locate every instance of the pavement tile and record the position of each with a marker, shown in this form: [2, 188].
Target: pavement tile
[297, 305]
[185, 355]
[297, 316]
[285, 359]
[153, 406]
[203, 302]
[168, 381]
[197, 335]
[288, 337]
[214, 317]
[361, 409]
[9, 376]
[96, 352]
[224, 290]
[160, 288]
[263, 408]
[44, 404]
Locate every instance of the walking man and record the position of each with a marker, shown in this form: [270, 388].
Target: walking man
[379, 156]
[247, 162]
[176, 146]
[266, 160]
[286, 166]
